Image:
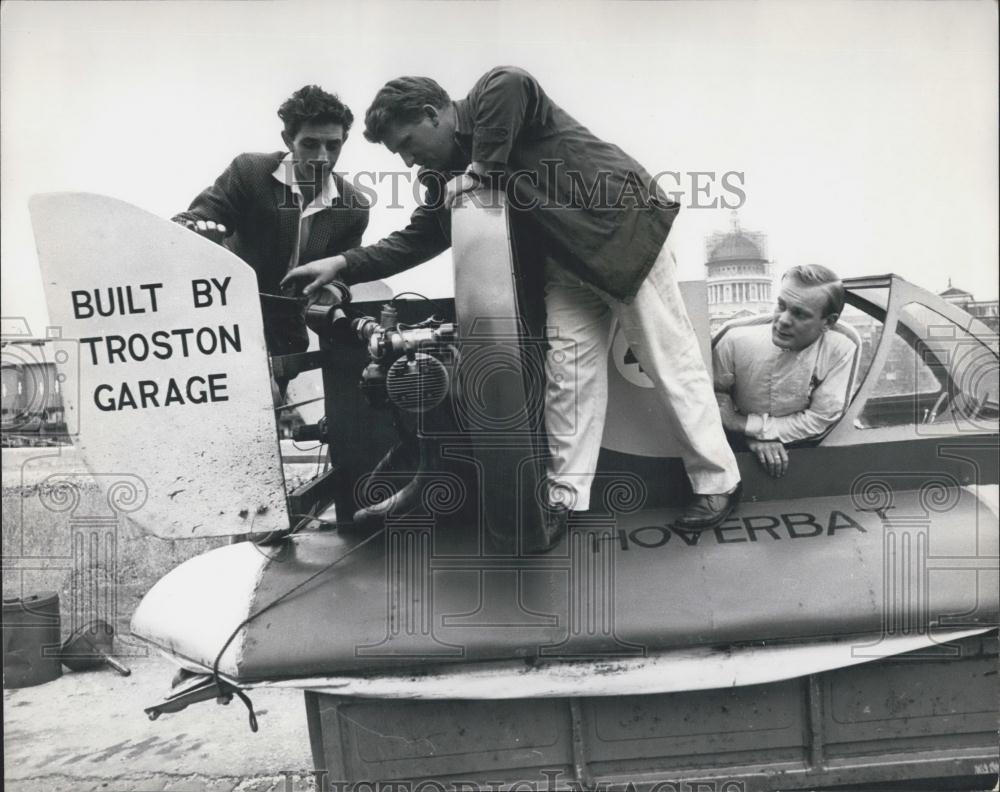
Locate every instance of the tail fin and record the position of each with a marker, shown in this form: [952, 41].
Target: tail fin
[164, 366]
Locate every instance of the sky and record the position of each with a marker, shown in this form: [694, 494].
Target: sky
[866, 133]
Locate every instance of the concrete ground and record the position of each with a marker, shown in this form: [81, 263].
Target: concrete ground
[97, 560]
[87, 731]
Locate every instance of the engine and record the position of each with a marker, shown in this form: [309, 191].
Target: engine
[410, 366]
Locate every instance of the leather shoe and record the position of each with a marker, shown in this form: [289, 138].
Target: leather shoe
[554, 527]
[709, 511]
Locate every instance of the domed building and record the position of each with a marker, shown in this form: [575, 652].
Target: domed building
[986, 311]
[740, 280]
[955, 296]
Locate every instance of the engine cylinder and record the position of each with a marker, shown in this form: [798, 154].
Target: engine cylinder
[417, 385]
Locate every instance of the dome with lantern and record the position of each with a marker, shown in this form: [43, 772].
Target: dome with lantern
[739, 275]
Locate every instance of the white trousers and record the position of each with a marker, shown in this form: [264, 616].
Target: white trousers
[657, 328]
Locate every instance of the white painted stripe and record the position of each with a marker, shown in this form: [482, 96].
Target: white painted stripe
[988, 495]
[664, 672]
[194, 609]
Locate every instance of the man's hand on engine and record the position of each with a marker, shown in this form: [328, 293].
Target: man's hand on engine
[315, 274]
[771, 454]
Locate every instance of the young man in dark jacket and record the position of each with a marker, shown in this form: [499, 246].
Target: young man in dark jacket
[603, 225]
[282, 209]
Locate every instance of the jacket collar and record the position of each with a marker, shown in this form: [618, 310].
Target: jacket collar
[463, 113]
[285, 173]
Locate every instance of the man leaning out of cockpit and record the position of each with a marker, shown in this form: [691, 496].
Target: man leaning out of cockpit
[786, 381]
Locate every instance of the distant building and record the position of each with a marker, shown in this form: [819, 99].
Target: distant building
[32, 409]
[986, 311]
[31, 399]
[955, 296]
[739, 275]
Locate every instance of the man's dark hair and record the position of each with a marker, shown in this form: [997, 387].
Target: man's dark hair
[817, 275]
[312, 104]
[402, 101]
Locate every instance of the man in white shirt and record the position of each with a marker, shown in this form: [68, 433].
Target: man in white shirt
[788, 380]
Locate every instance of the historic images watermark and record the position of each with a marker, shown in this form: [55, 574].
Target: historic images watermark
[918, 571]
[547, 780]
[553, 187]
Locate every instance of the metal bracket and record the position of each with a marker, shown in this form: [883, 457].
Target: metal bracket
[202, 688]
[320, 490]
[290, 365]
